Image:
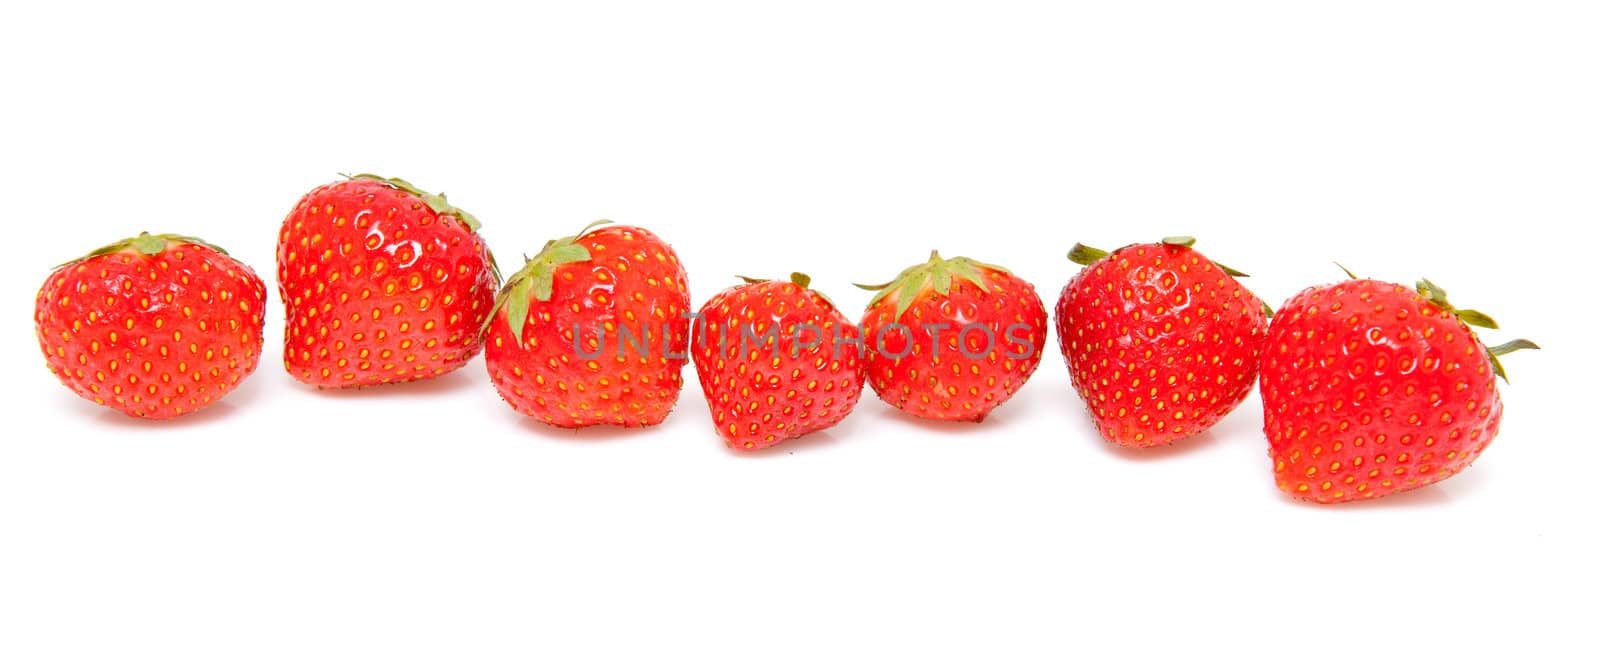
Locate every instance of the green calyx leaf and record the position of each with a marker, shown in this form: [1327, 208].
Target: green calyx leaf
[436, 202]
[517, 308]
[535, 281]
[1477, 319]
[1231, 271]
[494, 267]
[798, 278]
[937, 274]
[1188, 241]
[1438, 297]
[1347, 272]
[1513, 346]
[1433, 293]
[1506, 348]
[145, 243]
[1083, 255]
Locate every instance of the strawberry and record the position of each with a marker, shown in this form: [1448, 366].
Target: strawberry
[776, 360]
[1371, 388]
[381, 283]
[1161, 342]
[153, 326]
[594, 330]
[952, 339]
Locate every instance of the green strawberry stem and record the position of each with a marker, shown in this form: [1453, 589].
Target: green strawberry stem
[937, 274]
[440, 206]
[1473, 318]
[1083, 255]
[437, 202]
[1513, 346]
[796, 277]
[145, 243]
[536, 279]
[1438, 297]
[1436, 294]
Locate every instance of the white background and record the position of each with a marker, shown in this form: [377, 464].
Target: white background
[429, 527]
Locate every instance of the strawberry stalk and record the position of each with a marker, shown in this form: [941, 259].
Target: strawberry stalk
[936, 274]
[1083, 255]
[796, 277]
[536, 279]
[145, 243]
[1437, 296]
[1473, 318]
[436, 202]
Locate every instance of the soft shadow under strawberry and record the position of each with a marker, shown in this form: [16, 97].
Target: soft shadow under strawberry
[446, 384]
[582, 435]
[1429, 496]
[1183, 446]
[218, 411]
[815, 441]
[990, 423]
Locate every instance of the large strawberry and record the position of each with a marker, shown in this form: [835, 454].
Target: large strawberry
[381, 283]
[1371, 388]
[952, 339]
[593, 330]
[1161, 342]
[776, 360]
[153, 326]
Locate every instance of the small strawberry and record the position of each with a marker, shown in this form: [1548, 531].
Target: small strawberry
[153, 326]
[381, 283]
[1161, 342]
[593, 331]
[952, 339]
[776, 360]
[1371, 388]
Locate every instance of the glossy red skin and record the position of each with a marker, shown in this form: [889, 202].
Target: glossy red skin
[152, 336]
[956, 386]
[764, 394]
[378, 288]
[1160, 342]
[634, 281]
[1369, 389]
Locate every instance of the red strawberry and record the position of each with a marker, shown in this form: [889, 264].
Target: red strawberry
[593, 331]
[776, 360]
[381, 283]
[153, 326]
[952, 339]
[1161, 341]
[1371, 388]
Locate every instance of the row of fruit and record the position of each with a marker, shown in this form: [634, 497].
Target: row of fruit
[1368, 388]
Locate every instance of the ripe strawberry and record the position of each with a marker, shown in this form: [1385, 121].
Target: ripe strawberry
[381, 283]
[776, 360]
[1161, 341]
[153, 326]
[952, 339]
[593, 331]
[1371, 388]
